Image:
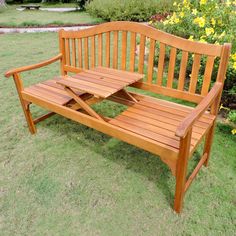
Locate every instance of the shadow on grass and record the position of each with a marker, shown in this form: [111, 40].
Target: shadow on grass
[126, 155]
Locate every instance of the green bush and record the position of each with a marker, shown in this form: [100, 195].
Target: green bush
[212, 21]
[133, 10]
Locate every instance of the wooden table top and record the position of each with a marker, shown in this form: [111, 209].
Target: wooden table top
[100, 81]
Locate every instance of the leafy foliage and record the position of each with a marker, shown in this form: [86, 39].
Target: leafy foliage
[134, 10]
[207, 21]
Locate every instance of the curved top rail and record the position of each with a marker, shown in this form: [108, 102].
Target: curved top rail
[148, 31]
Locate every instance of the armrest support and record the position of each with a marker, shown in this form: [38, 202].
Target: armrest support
[31, 67]
[189, 120]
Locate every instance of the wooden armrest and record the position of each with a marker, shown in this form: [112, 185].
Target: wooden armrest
[189, 120]
[31, 67]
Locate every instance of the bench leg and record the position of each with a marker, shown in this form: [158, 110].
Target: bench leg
[24, 104]
[29, 119]
[181, 171]
[208, 143]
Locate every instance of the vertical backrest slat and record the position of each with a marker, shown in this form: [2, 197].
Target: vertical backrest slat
[108, 49]
[194, 73]
[62, 50]
[67, 49]
[93, 61]
[86, 59]
[124, 50]
[161, 63]
[141, 53]
[207, 75]
[80, 53]
[73, 53]
[115, 49]
[182, 72]
[151, 60]
[171, 68]
[132, 51]
[100, 52]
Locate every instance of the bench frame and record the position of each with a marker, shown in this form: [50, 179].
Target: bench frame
[178, 164]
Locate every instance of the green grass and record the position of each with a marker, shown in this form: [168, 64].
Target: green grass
[10, 17]
[72, 180]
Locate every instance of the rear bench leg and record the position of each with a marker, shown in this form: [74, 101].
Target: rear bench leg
[181, 171]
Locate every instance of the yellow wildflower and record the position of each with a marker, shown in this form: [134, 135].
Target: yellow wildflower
[234, 65]
[181, 14]
[228, 3]
[202, 39]
[202, 2]
[191, 38]
[233, 131]
[233, 56]
[175, 4]
[194, 11]
[209, 31]
[213, 22]
[200, 21]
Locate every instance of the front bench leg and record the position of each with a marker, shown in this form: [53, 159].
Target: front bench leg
[24, 104]
[181, 171]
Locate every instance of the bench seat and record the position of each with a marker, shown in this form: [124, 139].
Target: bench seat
[50, 91]
[158, 120]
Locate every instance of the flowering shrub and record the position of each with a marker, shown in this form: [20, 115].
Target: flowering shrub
[211, 21]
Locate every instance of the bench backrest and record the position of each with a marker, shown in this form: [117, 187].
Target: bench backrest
[137, 47]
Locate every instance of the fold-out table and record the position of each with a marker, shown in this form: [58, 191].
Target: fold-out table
[100, 82]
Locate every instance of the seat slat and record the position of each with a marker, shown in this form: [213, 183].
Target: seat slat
[170, 143]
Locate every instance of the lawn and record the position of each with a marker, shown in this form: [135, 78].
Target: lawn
[10, 17]
[72, 180]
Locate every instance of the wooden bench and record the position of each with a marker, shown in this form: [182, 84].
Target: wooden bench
[30, 7]
[100, 62]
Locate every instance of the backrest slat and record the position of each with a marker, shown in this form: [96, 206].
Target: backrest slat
[161, 63]
[73, 53]
[171, 69]
[207, 75]
[80, 53]
[182, 72]
[140, 48]
[115, 49]
[124, 50]
[194, 74]
[151, 60]
[132, 51]
[141, 53]
[108, 49]
[100, 52]
[86, 61]
[67, 49]
[93, 56]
